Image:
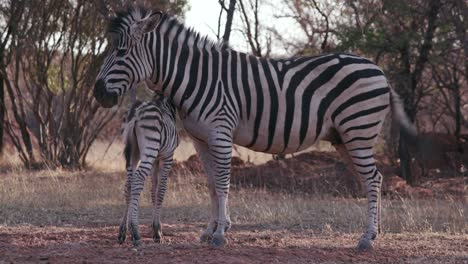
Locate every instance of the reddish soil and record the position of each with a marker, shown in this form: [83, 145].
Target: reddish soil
[26, 244]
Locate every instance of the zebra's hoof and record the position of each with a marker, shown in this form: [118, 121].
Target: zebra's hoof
[227, 227]
[137, 243]
[157, 233]
[136, 238]
[365, 245]
[122, 235]
[205, 238]
[218, 241]
[157, 236]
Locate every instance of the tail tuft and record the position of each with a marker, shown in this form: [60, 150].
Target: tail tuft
[127, 154]
[127, 132]
[406, 126]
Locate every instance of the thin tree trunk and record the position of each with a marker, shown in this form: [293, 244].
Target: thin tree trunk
[414, 79]
[405, 160]
[229, 18]
[458, 115]
[2, 113]
[20, 120]
[408, 95]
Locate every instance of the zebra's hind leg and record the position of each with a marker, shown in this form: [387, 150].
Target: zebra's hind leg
[349, 164]
[137, 184]
[359, 132]
[123, 223]
[131, 160]
[364, 165]
[156, 225]
[165, 166]
[138, 181]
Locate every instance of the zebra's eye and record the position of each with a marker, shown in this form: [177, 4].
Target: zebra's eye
[121, 52]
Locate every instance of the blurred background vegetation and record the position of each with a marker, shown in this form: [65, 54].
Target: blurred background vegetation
[51, 50]
[61, 162]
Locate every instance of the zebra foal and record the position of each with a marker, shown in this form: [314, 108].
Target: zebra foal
[150, 137]
[276, 106]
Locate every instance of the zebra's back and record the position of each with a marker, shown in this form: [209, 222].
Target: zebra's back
[152, 122]
[307, 99]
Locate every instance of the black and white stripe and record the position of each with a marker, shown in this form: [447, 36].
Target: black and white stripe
[269, 105]
[150, 138]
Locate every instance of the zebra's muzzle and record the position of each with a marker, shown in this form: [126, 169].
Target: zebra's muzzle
[105, 99]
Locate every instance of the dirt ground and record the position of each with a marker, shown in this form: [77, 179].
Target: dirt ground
[89, 235]
[247, 244]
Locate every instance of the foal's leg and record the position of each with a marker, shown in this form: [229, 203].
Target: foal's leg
[154, 187]
[123, 223]
[147, 159]
[165, 166]
[132, 158]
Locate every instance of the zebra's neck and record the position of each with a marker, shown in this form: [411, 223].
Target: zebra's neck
[182, 60]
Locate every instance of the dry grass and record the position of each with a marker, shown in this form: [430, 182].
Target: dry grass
[62, 216]
[108, 157]
[81, 198]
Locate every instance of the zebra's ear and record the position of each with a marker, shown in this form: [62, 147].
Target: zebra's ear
[146, 25]
[151, 22]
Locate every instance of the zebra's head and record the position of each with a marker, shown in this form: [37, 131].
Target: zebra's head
[127, 61]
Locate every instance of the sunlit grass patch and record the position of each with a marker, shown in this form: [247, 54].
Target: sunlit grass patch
[83, 198]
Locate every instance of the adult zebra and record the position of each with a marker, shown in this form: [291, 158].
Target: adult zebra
[274, 106]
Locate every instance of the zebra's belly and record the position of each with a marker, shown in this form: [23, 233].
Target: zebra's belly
[197, 130]
[244, 137]
[279, 149]
[262, 141]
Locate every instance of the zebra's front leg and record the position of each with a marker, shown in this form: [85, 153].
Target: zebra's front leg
[207, 161]
[158, 193]
[207, 234]
[221, 151]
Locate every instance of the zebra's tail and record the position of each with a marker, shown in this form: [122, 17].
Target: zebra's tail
[407, 127]
[127, 134]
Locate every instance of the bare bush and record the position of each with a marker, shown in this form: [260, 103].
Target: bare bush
[54, 59]
[50, 56]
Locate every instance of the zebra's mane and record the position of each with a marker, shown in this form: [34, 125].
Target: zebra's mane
[121, 23]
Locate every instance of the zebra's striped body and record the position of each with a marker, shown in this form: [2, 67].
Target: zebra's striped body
[150, 138]
[275, 106]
